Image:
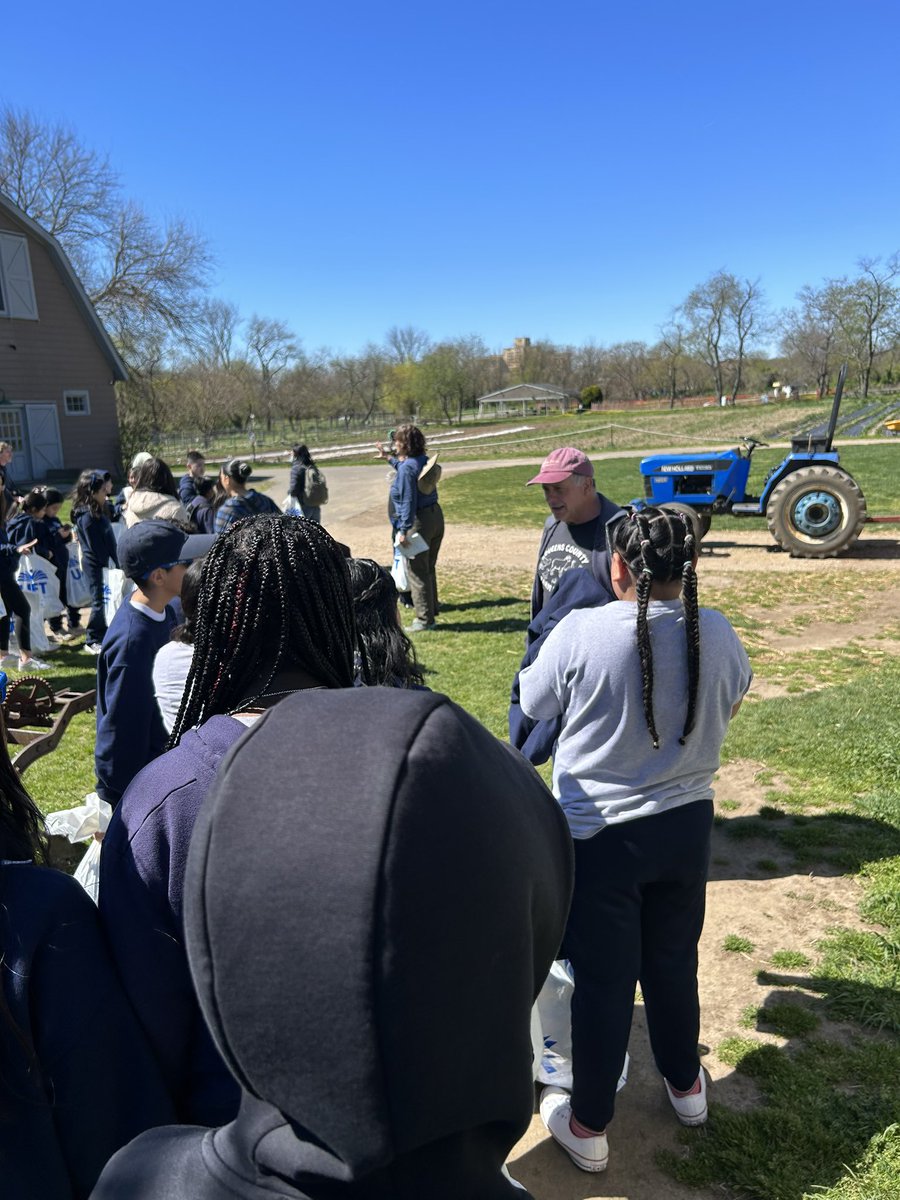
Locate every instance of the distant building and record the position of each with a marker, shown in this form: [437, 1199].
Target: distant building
[58, 364]
[514, 355]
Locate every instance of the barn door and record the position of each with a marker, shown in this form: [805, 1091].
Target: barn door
[43, 439]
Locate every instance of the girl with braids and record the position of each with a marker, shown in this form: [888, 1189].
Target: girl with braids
[72, 1092]
[645, 688]
[274, 615]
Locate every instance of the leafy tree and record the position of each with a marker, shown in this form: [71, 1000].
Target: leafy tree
[450, 376]
[592, 394]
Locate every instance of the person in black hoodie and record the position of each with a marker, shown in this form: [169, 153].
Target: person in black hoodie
[357, 922]
[77, 1079]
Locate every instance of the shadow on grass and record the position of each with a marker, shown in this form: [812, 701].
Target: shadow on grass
[822, 1098]
[468, 605]
[501, 625]
[829, 843]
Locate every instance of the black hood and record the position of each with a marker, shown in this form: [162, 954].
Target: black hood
[375, 890]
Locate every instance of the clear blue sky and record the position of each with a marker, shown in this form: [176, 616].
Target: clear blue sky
[565, 169]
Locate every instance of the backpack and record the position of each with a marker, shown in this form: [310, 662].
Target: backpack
[315, 489]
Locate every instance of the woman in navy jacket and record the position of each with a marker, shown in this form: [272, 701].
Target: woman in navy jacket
[416, 511]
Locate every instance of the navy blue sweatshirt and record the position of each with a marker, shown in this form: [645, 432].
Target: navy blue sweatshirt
[78, 1079]
[26, 528]
[130, 730]
[9, 554]
[98, 542]
[59, 543]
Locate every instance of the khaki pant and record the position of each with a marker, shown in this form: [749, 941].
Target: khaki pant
[422, 579]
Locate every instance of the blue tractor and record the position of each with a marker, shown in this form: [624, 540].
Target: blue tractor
[813, 508]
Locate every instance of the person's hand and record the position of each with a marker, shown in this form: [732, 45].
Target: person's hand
[379, 446]
[26, 546]
[403, 539]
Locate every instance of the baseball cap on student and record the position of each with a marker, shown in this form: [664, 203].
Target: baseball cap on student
[562, 463]
[151, 544]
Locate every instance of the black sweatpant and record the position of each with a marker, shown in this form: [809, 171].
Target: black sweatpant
[15, 604]
[636, 916]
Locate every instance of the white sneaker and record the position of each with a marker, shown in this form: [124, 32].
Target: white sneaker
[91, 647]
[590, 1153]
[690, 1110]
[34, 664]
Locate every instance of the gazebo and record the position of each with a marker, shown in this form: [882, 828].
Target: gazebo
[520, 396]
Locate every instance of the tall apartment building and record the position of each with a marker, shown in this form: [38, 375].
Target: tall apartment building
[514, 355]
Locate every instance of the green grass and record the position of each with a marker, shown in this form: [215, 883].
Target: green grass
[790, 960]
[822, 1105]
[735, 944]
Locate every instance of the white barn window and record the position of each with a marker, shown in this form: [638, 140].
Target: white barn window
[77, 404]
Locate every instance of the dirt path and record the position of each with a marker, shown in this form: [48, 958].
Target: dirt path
[772, 909]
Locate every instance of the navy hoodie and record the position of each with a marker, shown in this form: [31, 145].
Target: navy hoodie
[353, 921]
[77, 1080]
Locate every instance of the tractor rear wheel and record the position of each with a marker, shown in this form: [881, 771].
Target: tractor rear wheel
[816, 512]
[700, 520]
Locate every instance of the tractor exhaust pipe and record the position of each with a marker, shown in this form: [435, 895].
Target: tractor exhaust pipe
[836, 407]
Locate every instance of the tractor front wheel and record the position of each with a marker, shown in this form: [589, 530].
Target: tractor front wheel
[816, 512]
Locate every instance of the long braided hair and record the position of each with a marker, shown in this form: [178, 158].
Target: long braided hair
[274, 596]
[658, 547]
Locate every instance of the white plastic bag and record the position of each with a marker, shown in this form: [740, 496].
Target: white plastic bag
[415, 544]
[79, 823]
[33, 580]
[399, 573]
[290, 505]
[38, 575]
[115, 588]
[78, 590]
[554, 1013]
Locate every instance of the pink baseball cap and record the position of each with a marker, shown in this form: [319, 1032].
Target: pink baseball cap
[561, 464]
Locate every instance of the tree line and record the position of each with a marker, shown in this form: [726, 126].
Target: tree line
[198, 363]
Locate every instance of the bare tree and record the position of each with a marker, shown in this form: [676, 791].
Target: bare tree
[406, 343]
[143, 278]
[215, 332]
[627, 370]
[867, 310]
[670, 352]
[811, 333]
[723, 317]
[271, 346]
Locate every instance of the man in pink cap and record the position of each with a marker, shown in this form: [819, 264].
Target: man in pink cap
[575, 532]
